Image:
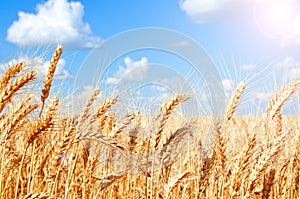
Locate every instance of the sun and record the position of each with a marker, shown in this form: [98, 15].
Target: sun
[272, 17]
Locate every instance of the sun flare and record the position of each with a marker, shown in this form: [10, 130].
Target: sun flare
[272, 17]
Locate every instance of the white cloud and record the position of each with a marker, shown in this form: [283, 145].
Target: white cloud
[158, 88]
[203, 11]
[288, 62]
[228, 85]
[85, 94]
[294, 73]
[56, 21]
[263, 96]
[60, 72]
[131, 65]
[248, 67]
[289, 67]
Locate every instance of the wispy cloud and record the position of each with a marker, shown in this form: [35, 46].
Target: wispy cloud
[56, 21]
[130, 65]
[60, 72]
[248, 67]
[214, 10]
[289, 67]
[228, 85]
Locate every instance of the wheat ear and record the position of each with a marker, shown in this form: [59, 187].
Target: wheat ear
[234, 100]
[16, 119]
[268, 183]
[242, 164]
[264, 161]
[62, 144]
[275, 104]
[10, 90]
[165, 112]
[175, 182]
[49, 78]
[10, 73]
[44, 124]
[126, 121]
[87, 108]
[105, 106]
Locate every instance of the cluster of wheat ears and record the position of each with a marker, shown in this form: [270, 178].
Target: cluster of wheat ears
[47, 155]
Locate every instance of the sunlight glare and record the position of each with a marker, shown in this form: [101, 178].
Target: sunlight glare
[272, 17]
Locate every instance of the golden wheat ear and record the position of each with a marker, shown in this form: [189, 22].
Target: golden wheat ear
[8, 92]
[49, 78]
[276, 103]
[234, 100]
[10, 73]
[163, 116]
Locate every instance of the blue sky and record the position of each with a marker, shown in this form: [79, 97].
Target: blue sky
[242, 37]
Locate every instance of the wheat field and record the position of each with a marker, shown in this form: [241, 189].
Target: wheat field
[48, 155]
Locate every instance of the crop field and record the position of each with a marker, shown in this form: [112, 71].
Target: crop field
[99, 154]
